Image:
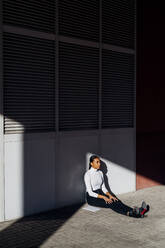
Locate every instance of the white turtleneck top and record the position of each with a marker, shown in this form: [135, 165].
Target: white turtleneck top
[94, 180]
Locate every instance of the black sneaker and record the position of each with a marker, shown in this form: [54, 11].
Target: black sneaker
[144, 209]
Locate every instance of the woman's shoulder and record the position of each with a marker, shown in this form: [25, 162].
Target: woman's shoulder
[101, 172]
[86, 173]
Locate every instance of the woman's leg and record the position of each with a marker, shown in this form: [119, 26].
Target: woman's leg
[97, 202]
[117, 206]
[120, 207]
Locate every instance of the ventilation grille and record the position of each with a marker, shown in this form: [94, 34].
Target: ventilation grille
[32, 14]
[29, 87]
[79, 19]
[118, 22]
[117, 90]
[29, 65]
[78, 97]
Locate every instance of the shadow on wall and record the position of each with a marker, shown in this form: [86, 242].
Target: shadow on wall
[36, 179]
[104, 169]
[34, 230]
[118, 179]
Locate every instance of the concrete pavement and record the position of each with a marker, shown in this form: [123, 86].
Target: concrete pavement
[74, 227]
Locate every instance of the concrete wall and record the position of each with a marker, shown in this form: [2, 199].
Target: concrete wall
[43, 171]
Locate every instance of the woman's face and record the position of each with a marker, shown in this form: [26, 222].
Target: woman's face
[96, 163]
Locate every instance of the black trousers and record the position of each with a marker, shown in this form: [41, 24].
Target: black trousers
[117, 206]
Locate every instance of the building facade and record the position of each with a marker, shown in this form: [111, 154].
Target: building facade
[68, 90]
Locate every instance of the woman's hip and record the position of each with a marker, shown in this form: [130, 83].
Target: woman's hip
[95, 201]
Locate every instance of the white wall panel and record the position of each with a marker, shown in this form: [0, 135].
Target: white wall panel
[39, 175]
[29, 174]
[14, 179]
[119, 156]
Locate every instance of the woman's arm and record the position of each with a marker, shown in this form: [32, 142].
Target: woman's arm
[106, 199]
[88, 186]
[90, 192]
[108, 194]
[111, 196]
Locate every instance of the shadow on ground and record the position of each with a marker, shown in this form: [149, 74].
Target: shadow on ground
[32, 231]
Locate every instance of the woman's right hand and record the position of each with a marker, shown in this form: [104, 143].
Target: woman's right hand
[107, 200]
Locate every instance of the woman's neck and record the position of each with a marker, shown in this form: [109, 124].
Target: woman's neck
[92, 168]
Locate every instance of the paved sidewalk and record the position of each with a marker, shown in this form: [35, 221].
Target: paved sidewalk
[74, 227]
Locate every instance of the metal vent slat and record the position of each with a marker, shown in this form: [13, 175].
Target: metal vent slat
[79, 19]
[29, 64]
[29, 84]
[117, 90]
[32, 14]
[78, 99]
[118, 22]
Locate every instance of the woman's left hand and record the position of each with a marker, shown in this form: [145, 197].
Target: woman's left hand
[113, 198]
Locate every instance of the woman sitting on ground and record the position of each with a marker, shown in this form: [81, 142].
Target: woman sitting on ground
[97, 194]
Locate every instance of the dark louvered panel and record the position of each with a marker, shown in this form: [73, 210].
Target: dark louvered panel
[118, 22]
[29, 87]
[79, 80]
[79, 19]
[32, 14]
[117, 90]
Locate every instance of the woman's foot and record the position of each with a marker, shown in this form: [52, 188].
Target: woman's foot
[139, 212]
[144, 209]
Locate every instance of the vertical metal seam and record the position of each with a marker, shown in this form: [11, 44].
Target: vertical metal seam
[135, 57]
[100, 67]
[100, 77]
[56, 141]
[2, 178]
[135, 74]
[56, 71]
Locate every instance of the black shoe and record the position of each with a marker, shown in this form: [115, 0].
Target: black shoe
[144, 209]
